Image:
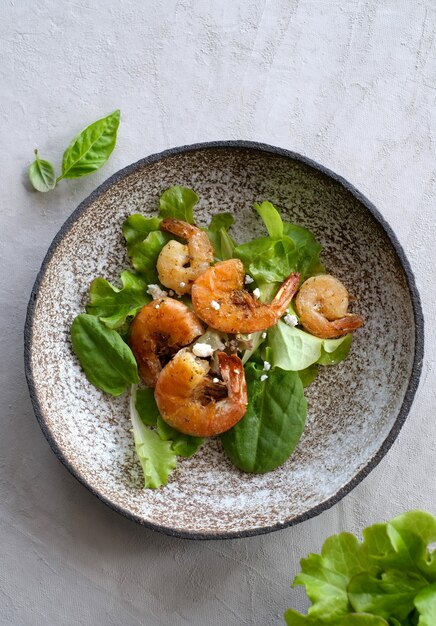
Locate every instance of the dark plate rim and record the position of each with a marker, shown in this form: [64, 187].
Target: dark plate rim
[413, 381]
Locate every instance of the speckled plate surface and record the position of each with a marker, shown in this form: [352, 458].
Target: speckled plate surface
[356, 409]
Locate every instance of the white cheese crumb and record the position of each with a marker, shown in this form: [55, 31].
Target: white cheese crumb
[290, 320]
[264, 335]
[256, 293]
[182, 284]
[171, 292]
[248, 280]
[157, 306]
[202, 350]
[263, 377]
[215, 305]
[266, 366]
[156, 292]
[215, 380]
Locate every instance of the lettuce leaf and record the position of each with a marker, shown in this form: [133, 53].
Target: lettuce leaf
[113, 305]
[184, 445]
[388, 575]
[293, 618]
[178, 202]
[293, 349]
[136, 228]
[223, 244]
[425, 602]
[390, 595]
[145, 404]
[272, 426]
[157, 457]
[289, 248]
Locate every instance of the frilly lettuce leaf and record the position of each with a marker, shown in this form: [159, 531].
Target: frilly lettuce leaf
[178, 202]
[182, 444]
[293, 618]
[326, 576]
[388, 575]
[289, 248]
[157, 457]
[222, 243]
[425, 603]
[113, 305]
[146, 406]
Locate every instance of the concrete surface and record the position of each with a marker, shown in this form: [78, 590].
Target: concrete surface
[351, 84]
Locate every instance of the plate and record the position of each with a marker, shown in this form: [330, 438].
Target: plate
[356, 409]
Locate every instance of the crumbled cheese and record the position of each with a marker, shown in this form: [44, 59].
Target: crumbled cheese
[266, 366]
[156, 292]
[215, 305]
[263, 377]
[203, 350]
[256, 292]
[182, 284]
[215, 380]
[264, 335]
[157, 306]
[290, 320]
[248, 280]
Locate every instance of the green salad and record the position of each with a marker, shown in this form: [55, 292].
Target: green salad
[206, 335]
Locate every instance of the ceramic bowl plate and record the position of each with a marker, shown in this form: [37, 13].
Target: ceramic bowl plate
[356, 409]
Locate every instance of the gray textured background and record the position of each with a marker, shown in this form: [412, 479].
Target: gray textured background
[349, 83]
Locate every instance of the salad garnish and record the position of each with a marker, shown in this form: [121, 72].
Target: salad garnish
[213, 331]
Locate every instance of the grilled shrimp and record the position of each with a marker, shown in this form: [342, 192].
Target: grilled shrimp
[178, 265]
[190, 401]
[322, 306]
[219, 299]
[158, 331]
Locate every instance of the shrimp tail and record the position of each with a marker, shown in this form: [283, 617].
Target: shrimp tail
[232, 371]
[178, 228]
[285, 294]
[346, 324]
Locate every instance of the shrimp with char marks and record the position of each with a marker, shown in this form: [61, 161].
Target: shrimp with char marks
[178, 265]
[160, 329]
[322, 306]
[190, 401]
[220, 300]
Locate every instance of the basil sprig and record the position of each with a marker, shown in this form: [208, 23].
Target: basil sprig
[87, 152]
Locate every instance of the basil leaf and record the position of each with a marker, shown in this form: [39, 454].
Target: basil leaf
[178, 202]
[91, 148]
[136, 227]
[113, 305]
[146, 406]
[106, 359]
[157, 457]
[184, 445]
[271, 218]
[42, 174]
[272, 426]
